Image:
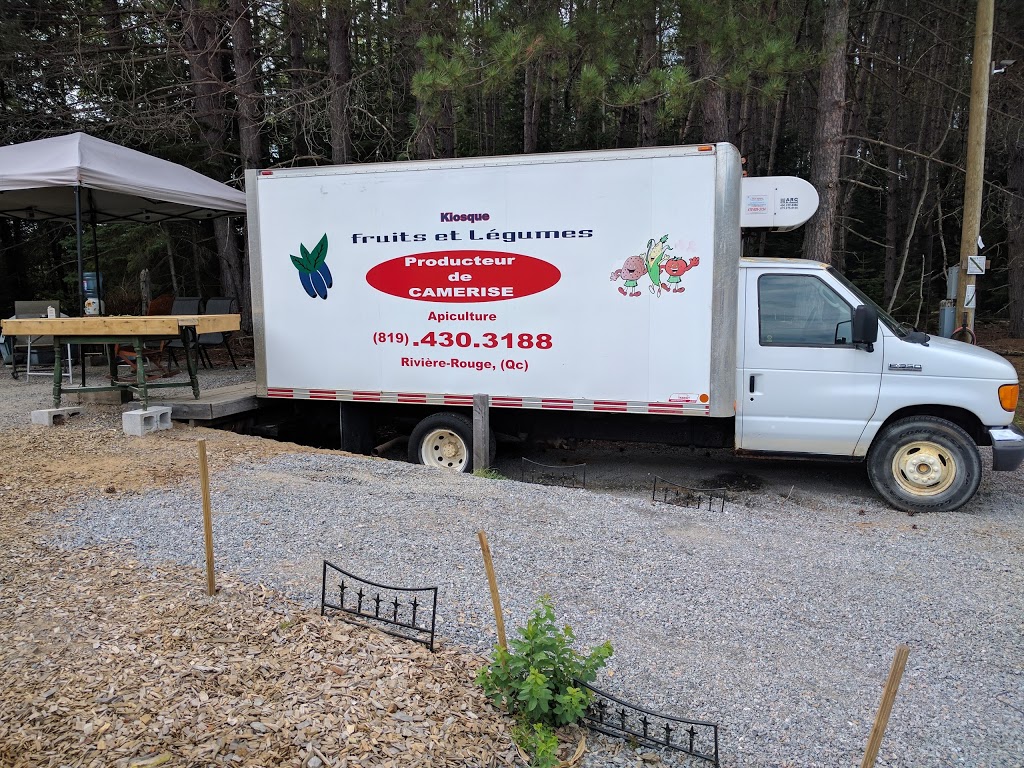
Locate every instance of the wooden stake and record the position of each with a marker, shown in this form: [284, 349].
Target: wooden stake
[204, 481]
[892, 685]
[495, 599]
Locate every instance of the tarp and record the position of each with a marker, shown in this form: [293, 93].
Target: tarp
[37, 181]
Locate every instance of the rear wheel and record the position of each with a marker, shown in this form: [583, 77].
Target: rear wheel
[924, 464]
[445, 441]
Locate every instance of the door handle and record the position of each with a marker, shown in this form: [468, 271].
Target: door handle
[751, 383]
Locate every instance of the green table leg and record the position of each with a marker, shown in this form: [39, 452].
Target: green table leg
[140, 373]
[57, 372]
[188, 341]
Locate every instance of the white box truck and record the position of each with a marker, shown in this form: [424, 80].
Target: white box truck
[602, 294]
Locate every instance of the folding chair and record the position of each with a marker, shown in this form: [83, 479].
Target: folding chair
[183, 305]
[219, 306]
[34, 309]
[7, 354]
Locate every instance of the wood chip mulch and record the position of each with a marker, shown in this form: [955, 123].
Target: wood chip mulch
[105, 661]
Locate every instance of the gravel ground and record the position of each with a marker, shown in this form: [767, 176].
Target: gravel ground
[777, 618]
[27, 393]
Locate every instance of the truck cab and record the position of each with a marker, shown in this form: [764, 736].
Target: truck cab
[821, 370]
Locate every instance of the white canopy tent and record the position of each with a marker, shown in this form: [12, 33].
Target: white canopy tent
[37, 179]
[78, 178]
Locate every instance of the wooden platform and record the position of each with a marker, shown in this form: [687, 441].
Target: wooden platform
[212, 404]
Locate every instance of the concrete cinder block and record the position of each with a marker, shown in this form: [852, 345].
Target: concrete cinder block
[50, 416]
[142, 422]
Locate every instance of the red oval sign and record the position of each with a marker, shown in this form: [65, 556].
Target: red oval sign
[463, 276]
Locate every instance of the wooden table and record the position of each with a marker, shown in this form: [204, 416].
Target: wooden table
[132, 330]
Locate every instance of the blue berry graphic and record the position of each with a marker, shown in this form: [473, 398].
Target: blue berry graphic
[326, 274]
[314, 274]
[319, 284]
[307, 283]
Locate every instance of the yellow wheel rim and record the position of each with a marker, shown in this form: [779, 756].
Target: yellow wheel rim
[924, 468]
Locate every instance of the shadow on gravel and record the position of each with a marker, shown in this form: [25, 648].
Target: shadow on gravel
[734, 481]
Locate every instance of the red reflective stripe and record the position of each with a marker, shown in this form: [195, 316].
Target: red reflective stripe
[366, 397]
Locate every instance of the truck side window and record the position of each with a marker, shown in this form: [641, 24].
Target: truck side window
[799, 310]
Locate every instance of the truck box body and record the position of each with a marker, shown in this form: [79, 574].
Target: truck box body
[535, 279]
[602, 294]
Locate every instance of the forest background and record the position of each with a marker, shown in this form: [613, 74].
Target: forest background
[867, 99]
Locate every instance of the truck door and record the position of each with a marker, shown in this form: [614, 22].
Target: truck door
[804, 387]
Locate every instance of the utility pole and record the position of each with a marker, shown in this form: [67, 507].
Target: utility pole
[982, 66]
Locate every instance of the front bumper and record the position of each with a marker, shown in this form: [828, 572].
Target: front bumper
[1007, 448]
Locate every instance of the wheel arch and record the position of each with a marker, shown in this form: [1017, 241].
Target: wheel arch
[962, 417]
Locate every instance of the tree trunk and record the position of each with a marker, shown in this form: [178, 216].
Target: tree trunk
[233, 278]
[446, 126]
[297, 20]
[402, 68]
[647, 130]
[243, 56]
[12, 264]
[201, 27]
[827, 147]
[531, 107]
[714, 109]
[339, 27]
[892, 223]
[115, 32]
[202, 34]
[1015, 236]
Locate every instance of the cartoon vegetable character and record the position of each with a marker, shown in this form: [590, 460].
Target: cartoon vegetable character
[655, 254]
[314, 273]
[676, 267]
[631, 271]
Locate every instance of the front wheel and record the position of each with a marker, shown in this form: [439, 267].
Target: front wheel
[924, 464]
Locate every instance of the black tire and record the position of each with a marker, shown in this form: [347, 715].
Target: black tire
[445, 441]
[924, 464]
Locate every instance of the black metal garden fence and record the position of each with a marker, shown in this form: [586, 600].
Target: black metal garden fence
[566, 476]
[615, 717]
[380, 604]
[678, 495]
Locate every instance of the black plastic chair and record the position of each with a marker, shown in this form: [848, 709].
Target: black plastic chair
[183, 305]
[222, 305]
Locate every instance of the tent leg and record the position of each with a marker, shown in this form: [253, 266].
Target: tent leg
[81, 268]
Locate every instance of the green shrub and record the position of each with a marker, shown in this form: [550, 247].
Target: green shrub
[539, 742]
[535, 679]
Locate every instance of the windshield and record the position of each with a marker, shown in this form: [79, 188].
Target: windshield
[887, 320]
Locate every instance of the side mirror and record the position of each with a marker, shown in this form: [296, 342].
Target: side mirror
[865, 327]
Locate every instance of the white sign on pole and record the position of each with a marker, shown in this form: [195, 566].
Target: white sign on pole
[975, 265]
[970, 297]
